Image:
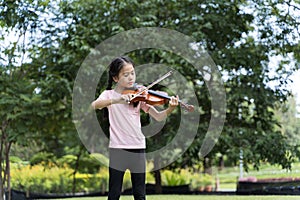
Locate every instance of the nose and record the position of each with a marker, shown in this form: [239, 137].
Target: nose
[131, 77]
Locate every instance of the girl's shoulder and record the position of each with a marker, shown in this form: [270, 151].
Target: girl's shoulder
[105, 94]
[109, 93]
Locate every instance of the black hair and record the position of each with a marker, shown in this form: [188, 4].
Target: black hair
[114, 68]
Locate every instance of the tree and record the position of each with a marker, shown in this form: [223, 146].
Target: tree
[240, 37]
[24, 109]
[252, 99]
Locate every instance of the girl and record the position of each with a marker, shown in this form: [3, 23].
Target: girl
[127, 142]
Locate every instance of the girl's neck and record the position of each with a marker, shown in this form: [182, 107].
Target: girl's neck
[119, 89]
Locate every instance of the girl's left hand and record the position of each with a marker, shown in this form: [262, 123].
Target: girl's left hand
[173, 102]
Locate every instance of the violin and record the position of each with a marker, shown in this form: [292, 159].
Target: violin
[152, 97]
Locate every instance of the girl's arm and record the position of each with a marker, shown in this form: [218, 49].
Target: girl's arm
[161, 115]
[99, 104]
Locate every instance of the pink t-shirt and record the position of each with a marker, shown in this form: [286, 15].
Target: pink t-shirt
[125, 124]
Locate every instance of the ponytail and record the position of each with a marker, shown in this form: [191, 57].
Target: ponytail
[110, 82]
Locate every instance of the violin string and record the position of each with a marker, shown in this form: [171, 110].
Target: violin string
[152, 84]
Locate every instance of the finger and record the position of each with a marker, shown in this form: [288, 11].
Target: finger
[177, 99]
[125, 98]
[174, 101]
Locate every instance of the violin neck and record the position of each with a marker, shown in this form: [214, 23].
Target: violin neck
[159, 94]
[187, 107]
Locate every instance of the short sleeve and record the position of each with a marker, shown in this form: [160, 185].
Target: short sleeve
[104, 95]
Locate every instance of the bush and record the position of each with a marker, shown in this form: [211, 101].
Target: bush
[42, 157]
[41, 180]
[53, 179]
[200, 181]
[38, 179]
[170, 178]
[87, 163]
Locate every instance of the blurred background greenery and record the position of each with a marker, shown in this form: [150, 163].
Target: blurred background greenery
[43, 44]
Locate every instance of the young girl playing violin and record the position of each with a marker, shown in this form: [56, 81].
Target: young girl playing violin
[127, 142]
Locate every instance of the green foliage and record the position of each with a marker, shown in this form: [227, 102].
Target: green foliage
[171, 178]
[42, 157]
[241, 36]
[86, 164]
[289, 123]
[52, 179]
[40, 180]
[200, 181]
[15, 159]
[100, 157]
[48, 178]
[225, 29]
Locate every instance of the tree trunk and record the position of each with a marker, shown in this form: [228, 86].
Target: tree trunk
[76, 167]
[7, 168]
[157, 175]
[207, 165]
[2, 175]
[1, 182]
[221, 163]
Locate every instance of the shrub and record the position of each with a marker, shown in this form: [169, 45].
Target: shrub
[41, 180]
[42, 157]
[53, 179]
[200, 181]
[170, 178]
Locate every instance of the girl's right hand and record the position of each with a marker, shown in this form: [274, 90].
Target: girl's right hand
[124, 99]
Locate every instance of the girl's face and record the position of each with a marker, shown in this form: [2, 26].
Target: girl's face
[126, 77]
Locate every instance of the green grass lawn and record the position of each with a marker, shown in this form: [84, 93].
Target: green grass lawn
[198, 197]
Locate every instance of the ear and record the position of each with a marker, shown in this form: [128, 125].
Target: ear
[116, 79]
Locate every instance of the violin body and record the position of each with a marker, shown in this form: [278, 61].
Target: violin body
[152, 97]
[146, 96]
